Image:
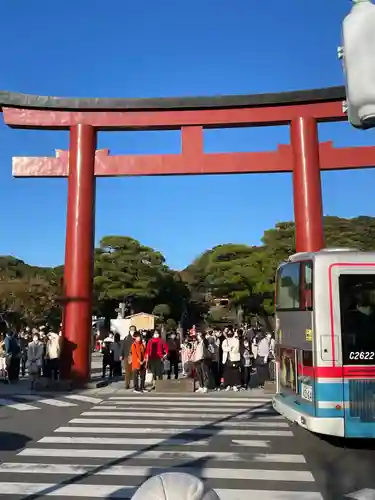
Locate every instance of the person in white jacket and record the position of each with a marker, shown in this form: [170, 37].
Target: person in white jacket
[173, 486]
[231, 361]
[53, 349]
[200, 352]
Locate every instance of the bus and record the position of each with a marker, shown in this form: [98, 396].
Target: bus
[325, 342]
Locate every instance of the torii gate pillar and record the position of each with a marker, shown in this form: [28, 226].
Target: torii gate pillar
[78, 271]
[307, 189]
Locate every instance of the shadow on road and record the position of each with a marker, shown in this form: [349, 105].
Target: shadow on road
[11, 441]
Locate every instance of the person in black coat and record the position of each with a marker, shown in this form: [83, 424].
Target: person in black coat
[126, 355]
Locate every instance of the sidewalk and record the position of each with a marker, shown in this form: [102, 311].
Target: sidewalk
[117, 389]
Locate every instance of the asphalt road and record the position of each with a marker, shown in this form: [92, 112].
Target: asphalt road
[342, 468]
[237, 444]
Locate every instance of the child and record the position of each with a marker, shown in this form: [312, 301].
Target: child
[246, 359]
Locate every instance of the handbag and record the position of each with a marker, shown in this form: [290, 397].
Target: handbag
[149, 377]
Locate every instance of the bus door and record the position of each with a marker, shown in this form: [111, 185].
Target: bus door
[294, 335]
[356, 318]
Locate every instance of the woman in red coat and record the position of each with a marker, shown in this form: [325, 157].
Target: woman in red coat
[156, 352]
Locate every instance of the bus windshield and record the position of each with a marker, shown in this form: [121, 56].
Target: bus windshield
[357, 311]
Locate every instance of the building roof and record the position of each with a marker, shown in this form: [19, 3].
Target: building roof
[140, 314]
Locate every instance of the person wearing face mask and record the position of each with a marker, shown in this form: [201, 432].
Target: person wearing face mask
[35, 359]
[53, 350]
[173, 355]
[231, 361]
[246, 359]
[138, 352]
[126, 355]
[213, 362]
[156, 353]
[200, 364]
[261, 361]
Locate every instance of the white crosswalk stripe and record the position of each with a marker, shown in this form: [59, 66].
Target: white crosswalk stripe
[29, 402]
[240, 452]
[83, 398]
[48, 401]
[10, 403]
[22, 402]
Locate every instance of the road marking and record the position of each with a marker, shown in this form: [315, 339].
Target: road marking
[121, 492]
[171, 432]
[213, 424]
[138, 421]
[187, 455]
[134, 471]
[200, 416]
[172, 441]
[47, 401]
[205, 409]
[139, 401]
[159, 412]
[9, 403]
[147, 441]
[85, 399]
[199, 398]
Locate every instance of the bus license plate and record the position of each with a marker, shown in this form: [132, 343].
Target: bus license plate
[306, 392]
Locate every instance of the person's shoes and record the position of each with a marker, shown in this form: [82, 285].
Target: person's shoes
[137, 392]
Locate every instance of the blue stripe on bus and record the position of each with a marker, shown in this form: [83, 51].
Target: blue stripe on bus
[329, 392]
[299, 404]
[359, 429]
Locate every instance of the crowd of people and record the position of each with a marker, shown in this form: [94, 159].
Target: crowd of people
[36, 351]
[228, 359]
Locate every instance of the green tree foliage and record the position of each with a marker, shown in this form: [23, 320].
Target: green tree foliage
[245, 275]
[171, 324]
[29, 295]
[126, 270]
[162, 311]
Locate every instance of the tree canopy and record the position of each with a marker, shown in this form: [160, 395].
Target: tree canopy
[225, 283]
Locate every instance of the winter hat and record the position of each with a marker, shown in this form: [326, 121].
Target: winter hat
[174, 486]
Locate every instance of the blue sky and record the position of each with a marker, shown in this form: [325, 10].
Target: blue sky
[148, 48]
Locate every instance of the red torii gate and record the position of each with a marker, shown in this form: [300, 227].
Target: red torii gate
[304, 157]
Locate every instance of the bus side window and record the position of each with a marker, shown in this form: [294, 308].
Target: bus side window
[306, 286]
[288, 287]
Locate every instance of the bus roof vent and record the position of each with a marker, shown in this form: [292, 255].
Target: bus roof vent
[344, 249]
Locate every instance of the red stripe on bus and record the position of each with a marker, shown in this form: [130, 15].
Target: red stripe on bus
[336, 371]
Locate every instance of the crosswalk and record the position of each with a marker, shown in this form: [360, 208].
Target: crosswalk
[238, 445]
[32, 402]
